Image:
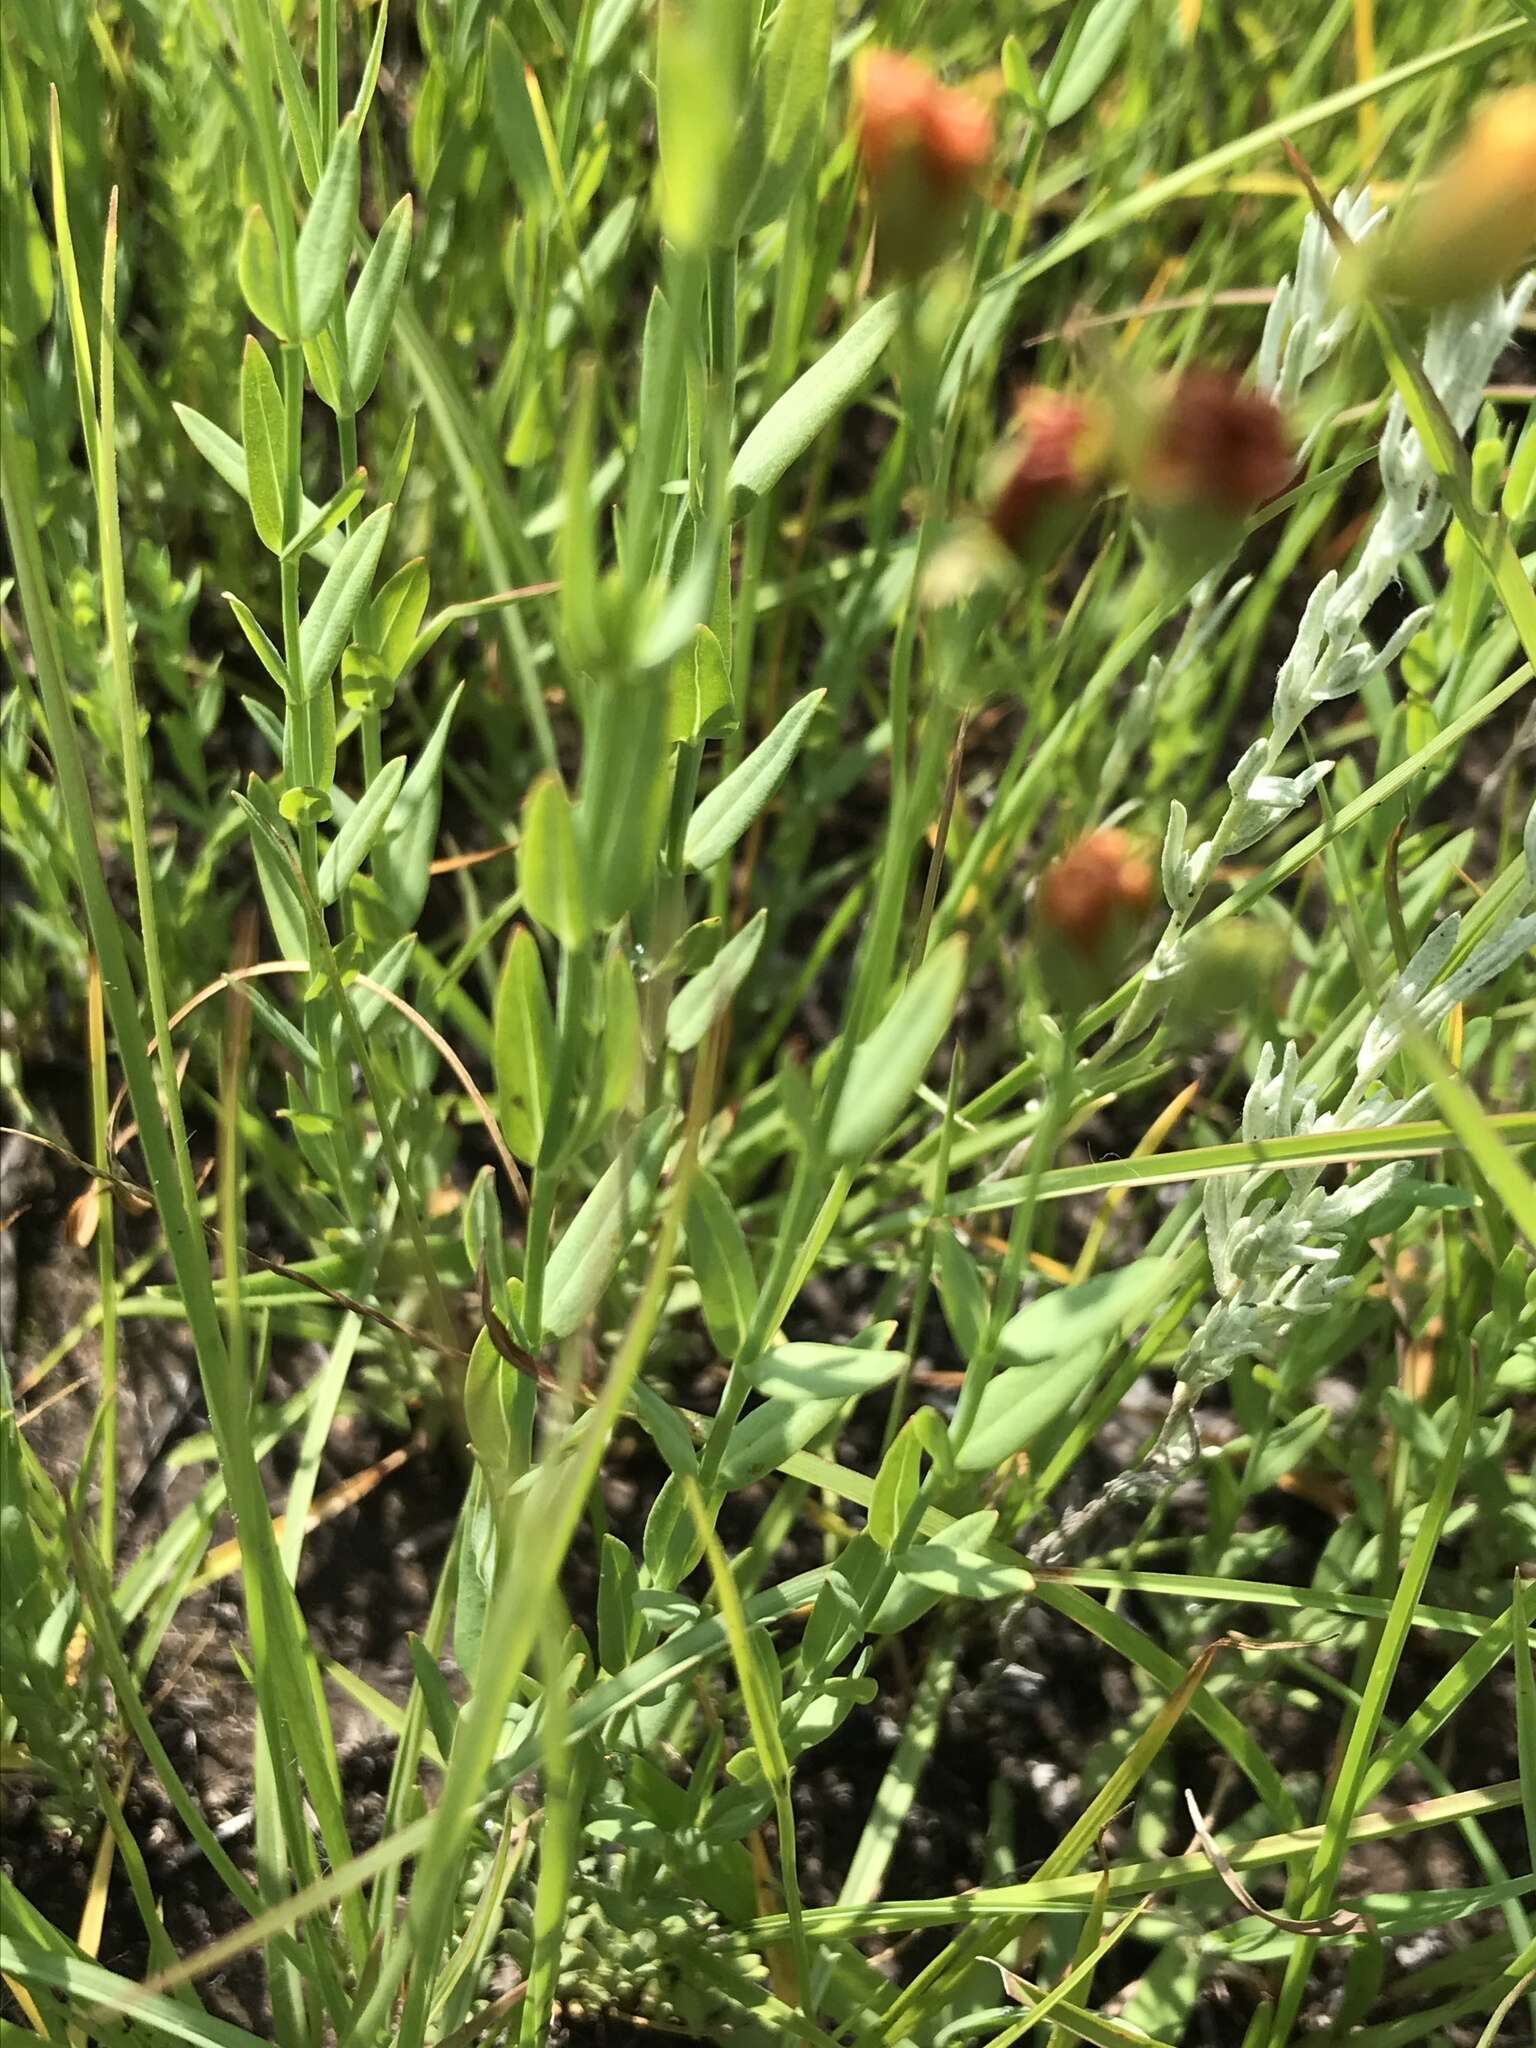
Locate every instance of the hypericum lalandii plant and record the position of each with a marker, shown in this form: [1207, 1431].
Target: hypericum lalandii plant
[560, 1111]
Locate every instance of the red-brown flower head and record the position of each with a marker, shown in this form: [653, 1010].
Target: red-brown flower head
[1215, 447]
[1087, 907]
[1049, 472]
[923, 146]
[1094, 893]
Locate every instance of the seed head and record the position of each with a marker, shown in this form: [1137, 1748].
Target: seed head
[923, 146]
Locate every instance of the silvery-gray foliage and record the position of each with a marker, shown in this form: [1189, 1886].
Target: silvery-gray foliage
[1276, 1257]
[1333, 654]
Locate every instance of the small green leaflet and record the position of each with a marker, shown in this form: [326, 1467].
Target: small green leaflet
[728, 810]
[705, 999]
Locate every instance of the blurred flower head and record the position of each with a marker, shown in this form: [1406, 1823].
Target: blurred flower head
[1201, 458]
[1212, 446]
[1048, 473]
[923, 147]
[1229, 969]
[1087, 907]
[1099, 886]
[1477, 223]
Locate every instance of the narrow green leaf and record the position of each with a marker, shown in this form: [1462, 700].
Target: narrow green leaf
[896, 1486]
[1479, 1133]
[274, 872]
[370, 78]
[1018, 74]
[260, 275]
[86, 1986]
[549, 865]
[226, 458]
[1069, 1320]
[388, 972]
[665, 1427]
[670, 1546]
[513, 120]
[618, 1616]
[402, 861]
[962, 1574]
[325, 241]
[770, 1433]
[524, 1045]
[498, 1414]
[587, 1256]
[296, 100]
[721, 1262]
[622, 1047]
[626, 787]
[264, 434]
[961, 1293]
[1019, 1403]
[908, 1601]
[327, 624]
[836, 1621]
[74, 303]
[477, 1567]
[1097, 51]
[703, 1001]
[728, 810]
[814, 400]
[345, 502]
[796, 63]
[391, 625]
[699, 690]
[824, 1372]
[371, 308]
[442, 1711]
[354, 842]
[261, 646]
[889, 1063]
[1284, 1451]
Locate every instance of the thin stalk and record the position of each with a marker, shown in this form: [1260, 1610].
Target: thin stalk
[106, 1268]
[115, 609]
[327, 81]
[573, 1003]
[1058, 1109]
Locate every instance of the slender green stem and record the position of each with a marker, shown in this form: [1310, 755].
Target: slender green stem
[1058, 1109]
[106, 1270]
[328, 85]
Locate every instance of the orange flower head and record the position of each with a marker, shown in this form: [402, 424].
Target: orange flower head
[1094, 893]
[1477, 223]
[1049, 473]
[1215, 448]
[923, 146]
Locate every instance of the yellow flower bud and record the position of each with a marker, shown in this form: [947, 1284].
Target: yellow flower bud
[1477, 222]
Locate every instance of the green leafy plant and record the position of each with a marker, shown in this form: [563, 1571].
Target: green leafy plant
[605, 931]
